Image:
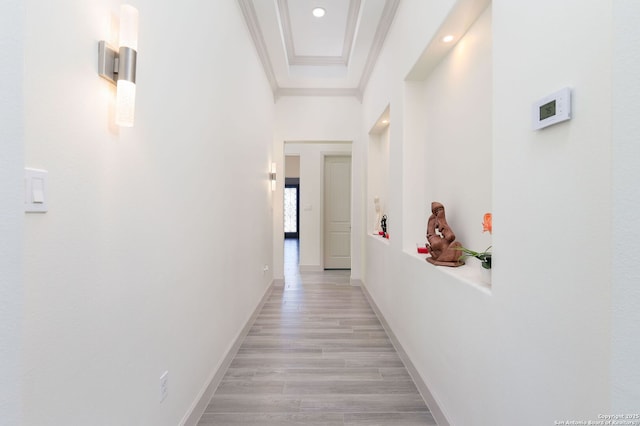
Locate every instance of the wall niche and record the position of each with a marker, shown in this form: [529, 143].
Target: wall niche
[447, 148]
[378, 171]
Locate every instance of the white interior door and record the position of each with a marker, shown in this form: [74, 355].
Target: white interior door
[337, 212]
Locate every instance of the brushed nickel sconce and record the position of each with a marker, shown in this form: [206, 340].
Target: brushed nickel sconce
[272, 176]
[119, 66]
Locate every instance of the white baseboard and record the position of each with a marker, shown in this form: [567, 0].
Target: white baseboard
[436, 412]
[357, 282]
[278, 282]
[200, 404]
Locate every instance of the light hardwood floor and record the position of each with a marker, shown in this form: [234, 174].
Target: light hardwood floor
[316, 355]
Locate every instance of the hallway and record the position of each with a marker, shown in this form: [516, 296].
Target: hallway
[316, 355]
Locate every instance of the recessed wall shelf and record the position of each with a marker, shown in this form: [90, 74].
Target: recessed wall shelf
[469, 273]
[448, 144]
[378, 170]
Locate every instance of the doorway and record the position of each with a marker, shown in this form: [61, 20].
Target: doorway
[292, 208]
[306, 161]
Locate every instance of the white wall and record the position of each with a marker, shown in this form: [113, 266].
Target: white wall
[437, 146]
[11, 209]
[313, 119]
[564, 173]
[143, 262]
[626, 199]
[536, 347]
[311, 157]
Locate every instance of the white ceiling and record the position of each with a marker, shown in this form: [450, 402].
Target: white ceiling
[305, 55]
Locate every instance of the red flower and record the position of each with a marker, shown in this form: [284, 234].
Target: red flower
[486, 223]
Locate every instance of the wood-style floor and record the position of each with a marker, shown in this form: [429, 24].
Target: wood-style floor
[316, 355]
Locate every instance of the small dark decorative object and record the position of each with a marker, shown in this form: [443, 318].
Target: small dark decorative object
[442, 245]
[383, 225]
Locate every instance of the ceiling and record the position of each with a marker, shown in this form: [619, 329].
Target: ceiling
[303, 55]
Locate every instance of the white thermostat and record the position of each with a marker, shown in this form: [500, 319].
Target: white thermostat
[551, 109]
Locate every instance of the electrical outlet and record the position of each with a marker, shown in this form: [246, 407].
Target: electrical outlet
[164, 386]
[265, 269]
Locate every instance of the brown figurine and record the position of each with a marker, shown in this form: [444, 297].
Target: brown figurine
[441, 239]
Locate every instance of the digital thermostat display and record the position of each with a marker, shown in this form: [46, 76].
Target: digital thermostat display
[548, 110]
[551, 109]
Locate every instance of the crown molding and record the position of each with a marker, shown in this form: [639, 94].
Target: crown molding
[317, 60]
[285, 25]
[249, 13]
[350, 32]
[290, 91]
[388, 13]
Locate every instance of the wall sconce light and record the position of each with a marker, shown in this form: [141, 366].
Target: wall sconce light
[272, 176]
[119, 66]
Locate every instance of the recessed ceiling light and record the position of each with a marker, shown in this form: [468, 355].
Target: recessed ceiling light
[447, 39]
[318, 12]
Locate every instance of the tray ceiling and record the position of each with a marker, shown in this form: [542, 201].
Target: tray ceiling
[304, 55]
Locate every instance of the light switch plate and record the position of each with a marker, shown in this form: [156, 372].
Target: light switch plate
[35, 190]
